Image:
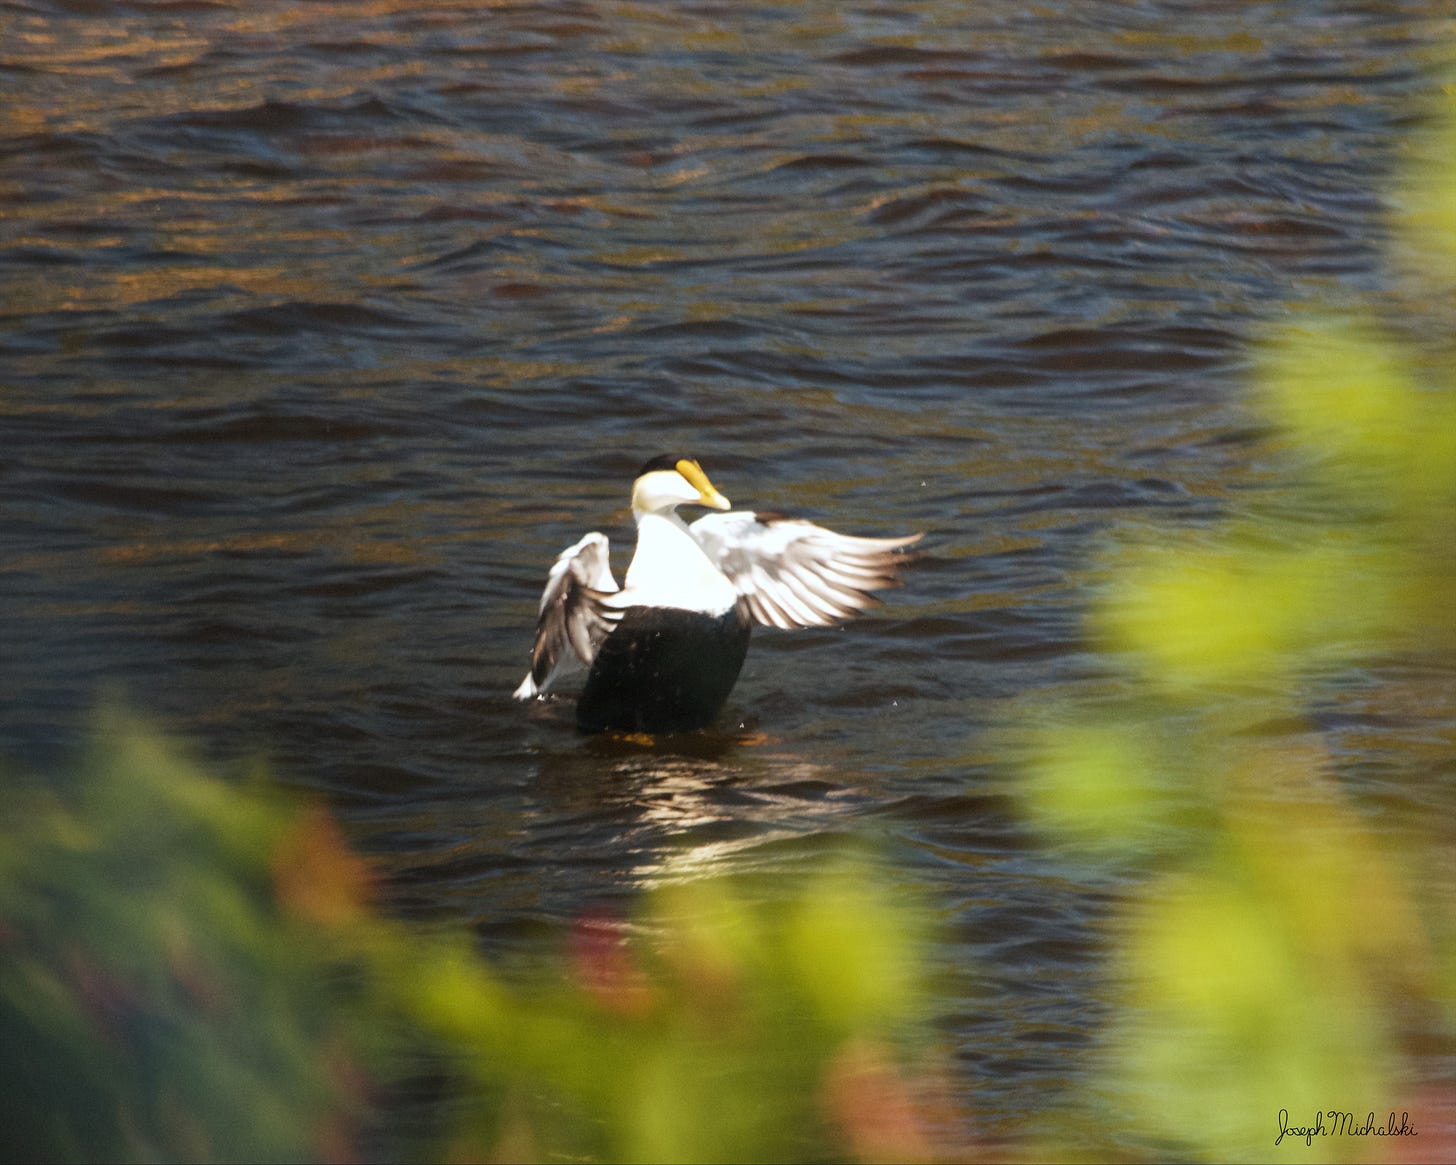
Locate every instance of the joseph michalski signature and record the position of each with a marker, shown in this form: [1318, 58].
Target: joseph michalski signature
[1344, 1124]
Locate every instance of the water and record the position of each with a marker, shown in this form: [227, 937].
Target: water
[326, 326]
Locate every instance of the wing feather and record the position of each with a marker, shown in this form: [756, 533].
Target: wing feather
[573, 618]
[792, 573]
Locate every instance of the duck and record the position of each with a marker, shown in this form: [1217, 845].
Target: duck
[663, 650]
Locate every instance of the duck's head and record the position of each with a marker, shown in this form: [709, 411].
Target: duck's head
[669, 481]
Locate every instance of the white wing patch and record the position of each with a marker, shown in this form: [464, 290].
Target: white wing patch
[792, 573]
[572, 621]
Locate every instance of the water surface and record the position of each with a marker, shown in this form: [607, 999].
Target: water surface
[324, 327]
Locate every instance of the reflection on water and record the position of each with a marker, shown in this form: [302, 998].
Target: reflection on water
[325, 327]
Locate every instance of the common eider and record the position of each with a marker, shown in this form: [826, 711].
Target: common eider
[663, 651]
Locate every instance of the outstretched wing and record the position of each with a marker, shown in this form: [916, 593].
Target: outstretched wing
[572, 621]
[792, 573]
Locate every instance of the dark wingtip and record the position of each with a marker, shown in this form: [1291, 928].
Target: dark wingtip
[911, 552]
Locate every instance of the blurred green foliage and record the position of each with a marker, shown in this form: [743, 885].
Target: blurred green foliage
[1282, 952]
[176, 980]
[720, 1025]
[193, 970]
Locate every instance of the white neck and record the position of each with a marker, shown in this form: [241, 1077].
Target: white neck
[670, 569]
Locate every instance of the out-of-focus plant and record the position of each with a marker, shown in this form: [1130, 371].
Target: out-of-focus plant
[719, 1025]
[193, 970]
[1283, 964]
[176, 972]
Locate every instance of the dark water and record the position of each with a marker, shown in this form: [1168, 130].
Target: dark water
[325, 326]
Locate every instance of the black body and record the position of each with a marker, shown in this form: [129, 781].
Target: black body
[663, 669]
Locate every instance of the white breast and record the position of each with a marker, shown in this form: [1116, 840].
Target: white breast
[670, 569]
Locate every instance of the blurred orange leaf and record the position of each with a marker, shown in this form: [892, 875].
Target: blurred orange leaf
[316, 876]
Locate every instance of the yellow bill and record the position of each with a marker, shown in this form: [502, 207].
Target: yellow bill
[708, 494]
